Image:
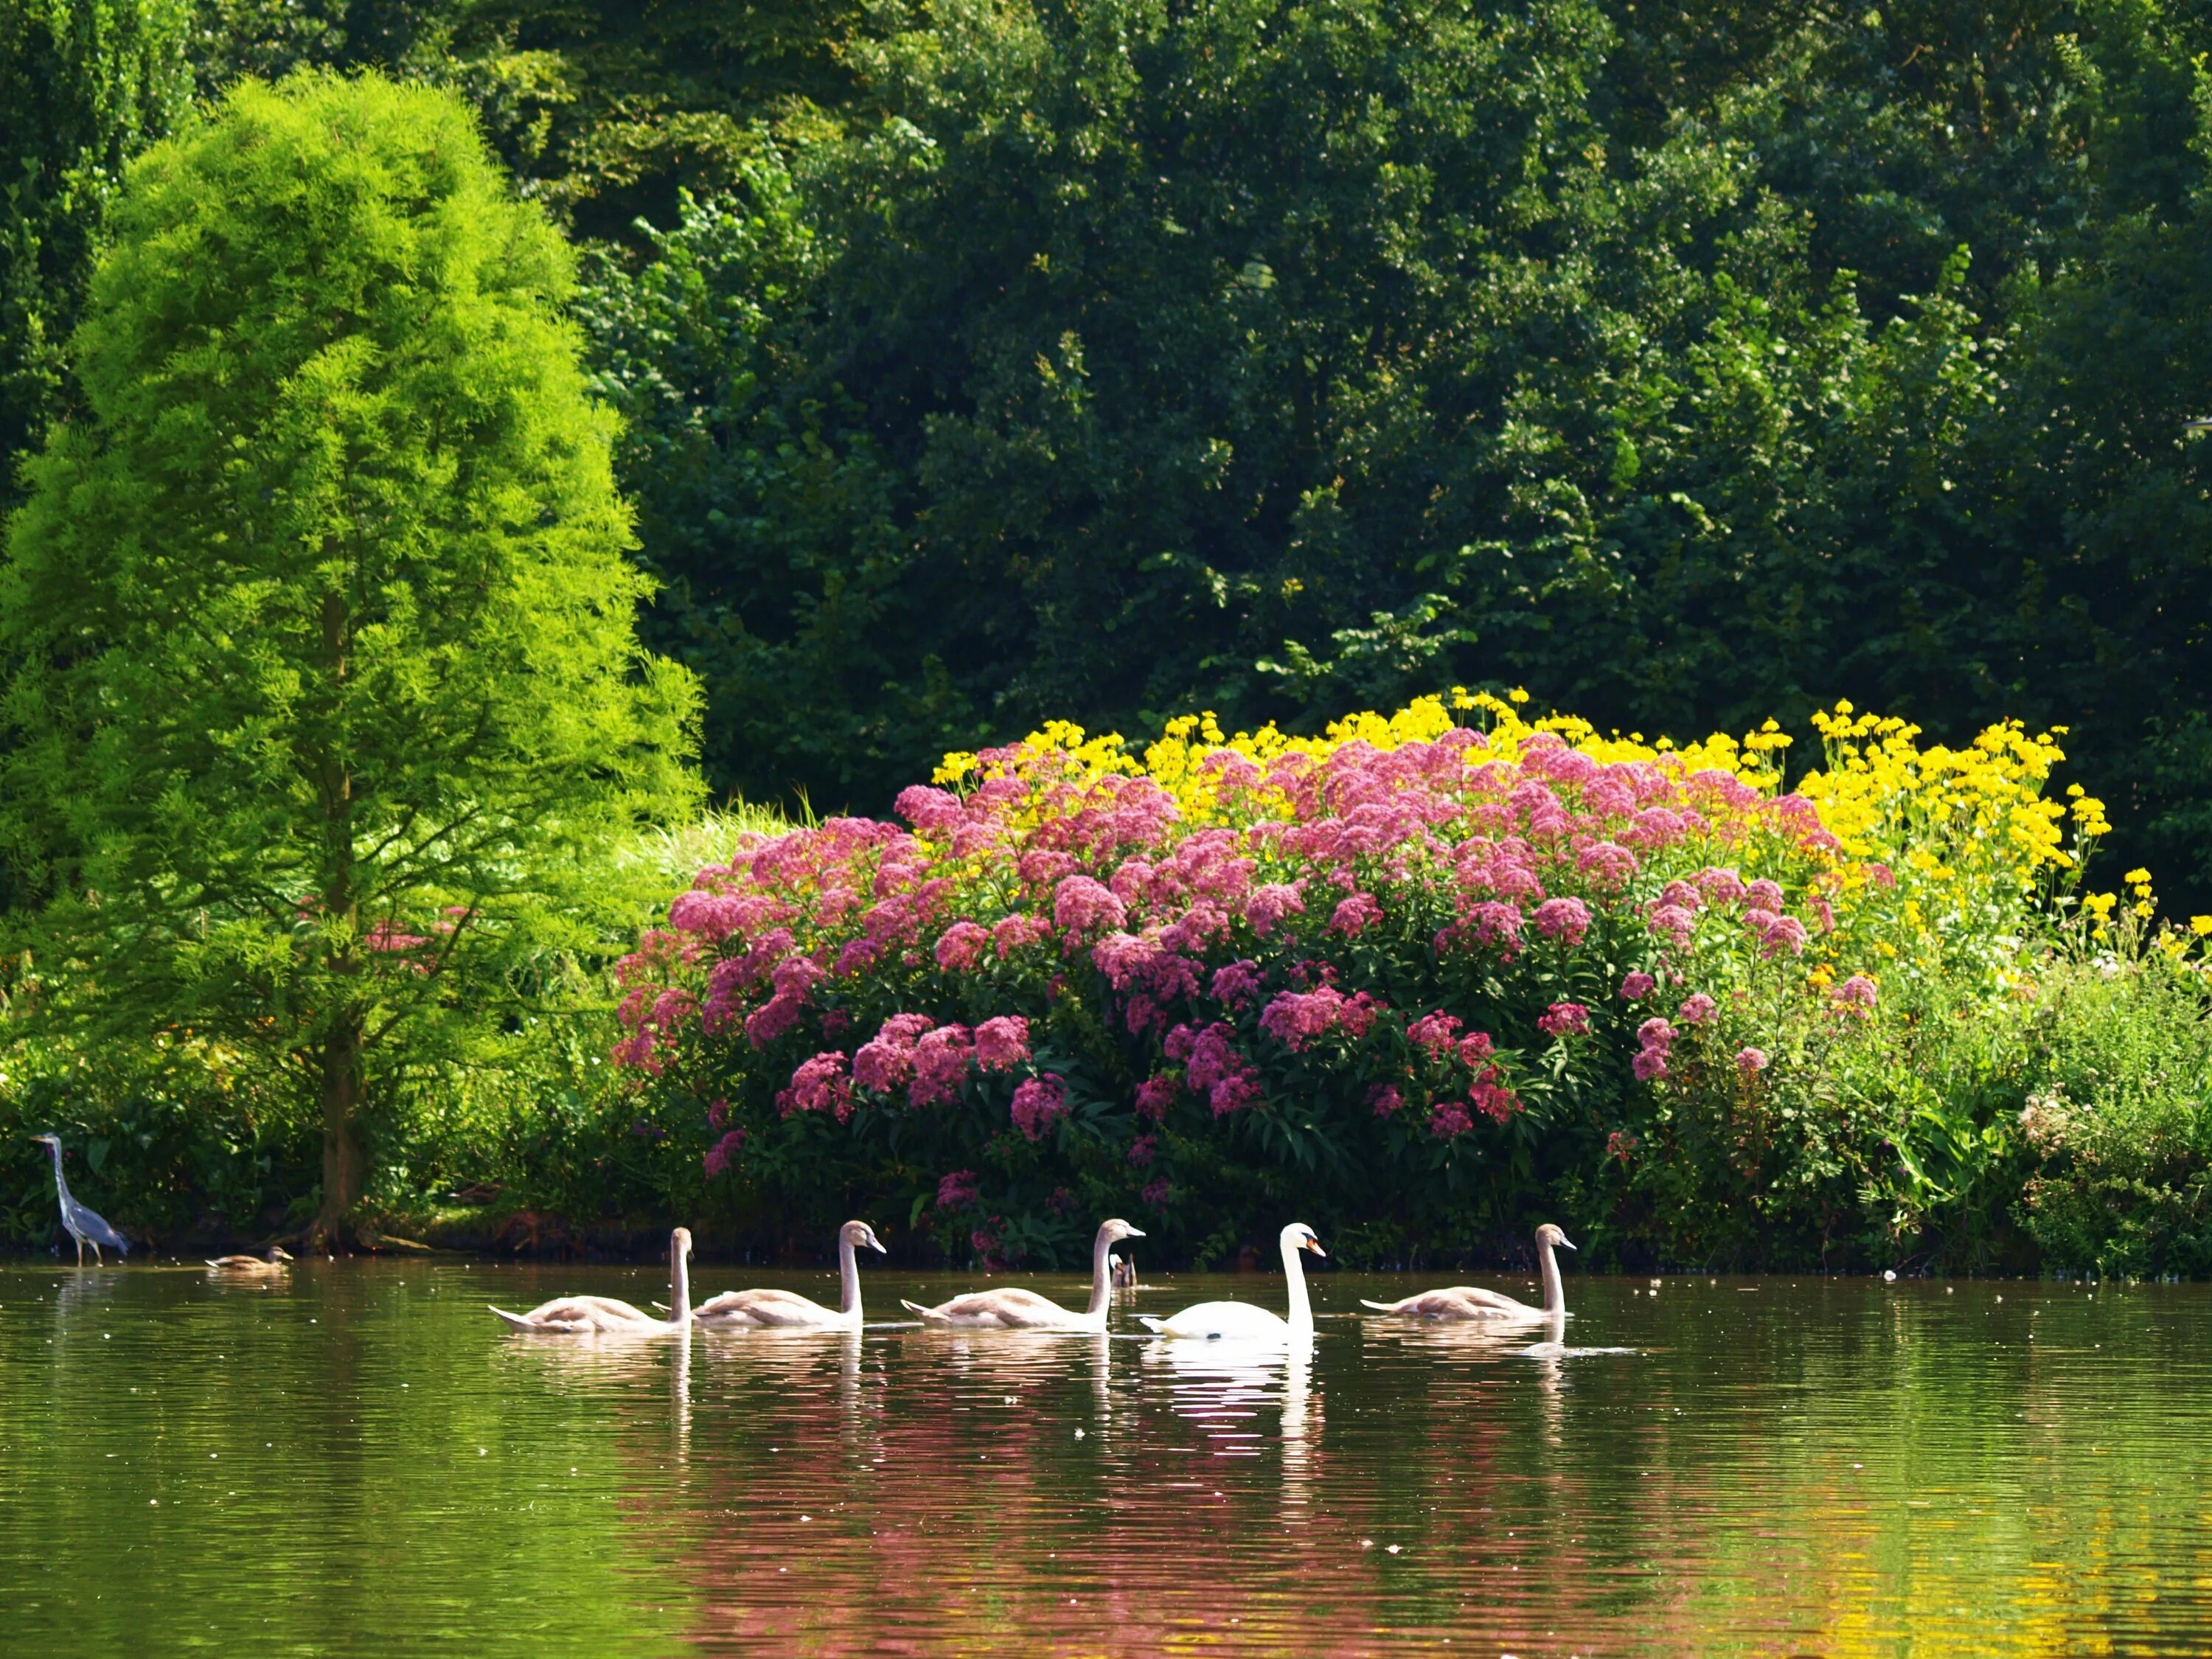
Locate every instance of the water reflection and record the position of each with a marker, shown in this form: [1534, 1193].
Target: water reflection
[78, 1292]
[1834, 1468]
[1222, 1387]
[679, 1394]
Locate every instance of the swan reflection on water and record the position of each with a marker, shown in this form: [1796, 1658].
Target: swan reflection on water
[1223, 1388]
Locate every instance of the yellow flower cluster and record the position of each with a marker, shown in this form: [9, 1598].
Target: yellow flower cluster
[1942, 814]
[1065, 751]
[1968, 834]
[1939, 852]
[1974, 815]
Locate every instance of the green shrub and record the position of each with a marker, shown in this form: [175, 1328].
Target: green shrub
[2119, 1113]
[171, 1142]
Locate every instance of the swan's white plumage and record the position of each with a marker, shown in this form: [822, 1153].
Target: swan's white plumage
[586, 1315]
[1239, 1322]
[1013, 1308]
[1467, 1301]
[769, 1310]
[608, 1315]
[1234, 1321]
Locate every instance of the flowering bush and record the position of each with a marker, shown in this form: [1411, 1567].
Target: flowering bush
[1415, 968]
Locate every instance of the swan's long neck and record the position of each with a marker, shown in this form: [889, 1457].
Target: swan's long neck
[679, 1287]
[1102, 1280]
[1301, 1304]
[848, 1272]
[1555, 1290]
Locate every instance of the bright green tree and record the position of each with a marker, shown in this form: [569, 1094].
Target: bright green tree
[324, 671]
[84, 85]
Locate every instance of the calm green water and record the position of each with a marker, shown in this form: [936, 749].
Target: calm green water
[362, 1461]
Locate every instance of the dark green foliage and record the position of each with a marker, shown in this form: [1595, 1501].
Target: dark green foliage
[1687, 367]
[602, 109]
[168, 1141]
[84, 85]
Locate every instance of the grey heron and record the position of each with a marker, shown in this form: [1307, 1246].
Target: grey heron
[83, 1225]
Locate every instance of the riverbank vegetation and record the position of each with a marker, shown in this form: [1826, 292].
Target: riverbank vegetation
[1430, 977]
[794, 396]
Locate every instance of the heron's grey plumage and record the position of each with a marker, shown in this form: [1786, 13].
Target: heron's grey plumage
[86, 1227]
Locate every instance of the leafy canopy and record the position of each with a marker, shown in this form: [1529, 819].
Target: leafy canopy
[324, 667]
[1685, 364]
[84, 84]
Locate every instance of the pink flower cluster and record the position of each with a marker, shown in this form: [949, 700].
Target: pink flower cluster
[1564, 920]
[1654, 1038]
[1856, 996]
[1436, 1034]
[1002, 1044]
[1039, 1103]
[886, 1062]
[1448, 1120]
[1491, 1096]
[1217, 948]
[941, 1059]
[1297, 1019]
[1214, 1067]
[723, 1152]
[820, 1085]
[959, 1190]
[1564, 1019]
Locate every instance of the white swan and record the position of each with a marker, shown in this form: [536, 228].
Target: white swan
[1017, 1310]
[1241, 1322]
[788, 1310]
[607, 1316]
[1466, 1302]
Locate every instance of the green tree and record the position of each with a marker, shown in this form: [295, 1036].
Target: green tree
[1687, 364]
[603, 110]
[325, 674]
[84, 86]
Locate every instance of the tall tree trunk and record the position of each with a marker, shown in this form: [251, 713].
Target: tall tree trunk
[345, 1160]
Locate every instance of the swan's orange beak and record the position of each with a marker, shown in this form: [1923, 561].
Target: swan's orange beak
[1313, 1244]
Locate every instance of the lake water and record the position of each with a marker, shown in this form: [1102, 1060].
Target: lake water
[363, 1461]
